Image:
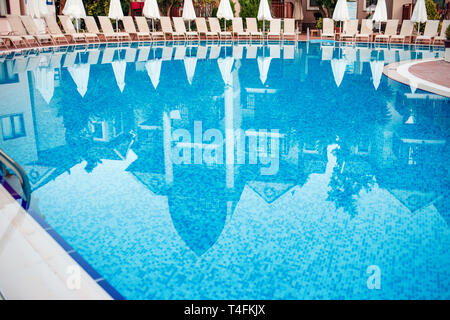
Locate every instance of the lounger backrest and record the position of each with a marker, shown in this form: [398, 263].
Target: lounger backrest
[201, 25]
[391, 27]
[444, 27]
[105, 24]
[237, 25]
[166, 25]
[431, 28]
[67, 24]
[91, 25]
[178, 22]
[366, 26]
[52, 25]
[289, 26]
[351, 27]
[128, 24]
[29, 25]
[327, 26]
[407, 28]
[214, 24]
[251, 24]
[142, 24]
[275, 26]
[16, 25]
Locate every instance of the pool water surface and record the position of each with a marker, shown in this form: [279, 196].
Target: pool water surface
[199, 171]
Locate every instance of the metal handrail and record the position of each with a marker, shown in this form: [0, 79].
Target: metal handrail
[6, 162]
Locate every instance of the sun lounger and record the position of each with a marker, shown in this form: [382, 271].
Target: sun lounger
[238, 29]
[405, 32]
[275, 29]
[202, 28]
[166, 26]
[431, 31]
[31, 28]
[441, 37]
[130, 28]
[16, 41]
[19, 31]
[252, 28]
[108, 30]
[55, 31]
[142, 25]
[327, 29]
[390, 30]
[92, 27]
[350, 30]
[215, 27]
[181, 28]
[69, 29]
[366, 30]
[289, 29]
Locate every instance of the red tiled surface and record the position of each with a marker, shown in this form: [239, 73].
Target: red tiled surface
[434, 71]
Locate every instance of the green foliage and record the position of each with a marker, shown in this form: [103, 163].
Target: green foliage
[319, 24]
[249, 9]
[447, 32]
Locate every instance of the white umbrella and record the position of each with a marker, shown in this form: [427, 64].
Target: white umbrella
[380, 14]
[338, 67]
[80, 75]
[189, 65]
[154, 70]
[419, 13]
[377, 71]
[264, 12]
[151, 11]
[119, 68]
[45, 82]
[225, 67]
[115, 12]
[263, 66]
[225, 12]
[341, 11]
[188, 12]
[298, 10]
[75, 10]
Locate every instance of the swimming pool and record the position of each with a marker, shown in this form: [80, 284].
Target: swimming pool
[187, 171]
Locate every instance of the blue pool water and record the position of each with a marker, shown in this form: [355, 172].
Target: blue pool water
[237, 172]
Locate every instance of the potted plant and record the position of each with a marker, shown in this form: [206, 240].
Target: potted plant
[447, 35]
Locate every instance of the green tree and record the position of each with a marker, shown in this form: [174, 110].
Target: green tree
[432, 14]
[326, 7]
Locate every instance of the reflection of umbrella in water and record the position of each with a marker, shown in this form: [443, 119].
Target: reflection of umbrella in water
[377, 70]
[190, 64]
[119, 68]
[45, 82]
[225, 67]
[80, 75]
[154, 70]
[338, 67]
[263, 65]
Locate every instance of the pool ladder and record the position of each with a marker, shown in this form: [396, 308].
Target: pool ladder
[7, 163]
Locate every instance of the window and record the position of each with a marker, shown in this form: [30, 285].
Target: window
[12, 127]
[4, 7]
[312, 5]
[369, 5]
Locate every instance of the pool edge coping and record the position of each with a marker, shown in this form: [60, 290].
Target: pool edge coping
[68, 249]
[395, 72]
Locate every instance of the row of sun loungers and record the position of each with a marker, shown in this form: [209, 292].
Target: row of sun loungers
[390, 35]
[26, 34]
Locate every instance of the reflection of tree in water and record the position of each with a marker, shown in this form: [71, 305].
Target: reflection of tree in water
[345, 184]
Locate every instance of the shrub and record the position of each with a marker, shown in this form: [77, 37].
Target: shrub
[249, 9]
[319, 24]
[447, 32]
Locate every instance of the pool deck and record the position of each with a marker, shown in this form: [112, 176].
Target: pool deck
[432, 75]
[33, 265]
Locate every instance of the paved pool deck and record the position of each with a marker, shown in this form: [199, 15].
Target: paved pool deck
[431, 75]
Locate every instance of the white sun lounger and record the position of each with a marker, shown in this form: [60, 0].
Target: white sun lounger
[31, 28]
[350, 30]
[142, 25]
[390, 30]
[215, 27]
[55, 31]
[202, 28]
[181, 28]
[130, 28]
[238, 29]
[327, 29]
[431, 31]
[252, 29]
[441, 37]
[69, 29]
[275, 29]
[405, 32]
[366, 30]
[289, 29]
